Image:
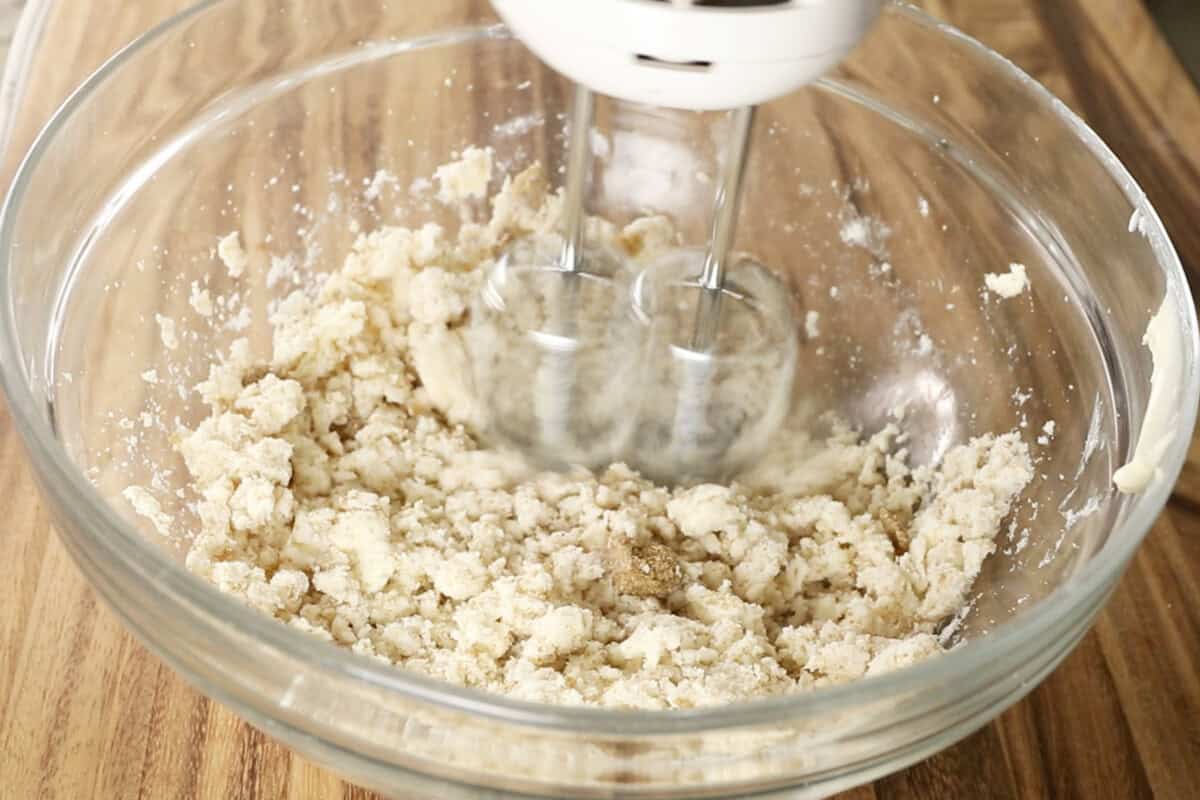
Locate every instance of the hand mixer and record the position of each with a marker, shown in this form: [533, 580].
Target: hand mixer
[683, 369]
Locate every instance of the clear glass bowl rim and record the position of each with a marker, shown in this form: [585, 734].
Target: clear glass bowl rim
[143, 560]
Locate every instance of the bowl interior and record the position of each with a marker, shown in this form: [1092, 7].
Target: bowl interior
[883, 194]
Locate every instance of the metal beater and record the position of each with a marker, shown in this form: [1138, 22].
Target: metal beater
[682, 369]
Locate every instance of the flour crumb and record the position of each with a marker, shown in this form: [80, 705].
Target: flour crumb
[467, 178]
[1010, 284]
[167, 331]
[200, 300]
[812, 324]
[145, 505]
[240, 321]
[379, 181]
[419, 186]
[229, 250]
[1047, 434]
[866, 233]
[282, 268]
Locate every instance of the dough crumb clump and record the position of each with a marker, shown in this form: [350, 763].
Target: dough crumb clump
[229, 250]
[201, 301]
[1009, 284]
[466, 178]
[167, 331]
[147, 505]
[340, 488]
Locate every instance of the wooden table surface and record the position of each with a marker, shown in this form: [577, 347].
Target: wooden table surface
[86, 712]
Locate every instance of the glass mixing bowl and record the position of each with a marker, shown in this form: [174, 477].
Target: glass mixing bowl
[883, 194]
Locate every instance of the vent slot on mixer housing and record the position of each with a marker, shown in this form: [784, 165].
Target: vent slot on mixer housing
[740, 3]
[735, 3]
[703, 66]
[686, 66]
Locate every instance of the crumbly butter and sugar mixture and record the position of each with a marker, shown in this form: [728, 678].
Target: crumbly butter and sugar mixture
[342, 491]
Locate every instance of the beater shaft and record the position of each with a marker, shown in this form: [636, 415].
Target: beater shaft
[578, 159]
[724, 227]
[557, 378]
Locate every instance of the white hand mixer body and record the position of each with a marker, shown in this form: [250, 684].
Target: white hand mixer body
[691, 54]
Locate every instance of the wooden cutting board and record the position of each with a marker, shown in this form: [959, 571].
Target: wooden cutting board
[86, 712]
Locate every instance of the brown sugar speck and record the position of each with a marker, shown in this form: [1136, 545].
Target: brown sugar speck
[648, 571]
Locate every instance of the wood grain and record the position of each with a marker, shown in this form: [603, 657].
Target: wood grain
[87, 713]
